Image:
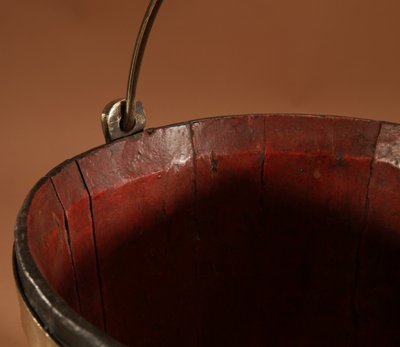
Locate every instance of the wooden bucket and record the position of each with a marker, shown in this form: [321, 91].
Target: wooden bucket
[255, 230]
[278, 230]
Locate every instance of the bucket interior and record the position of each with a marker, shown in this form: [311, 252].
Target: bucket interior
[237, 231]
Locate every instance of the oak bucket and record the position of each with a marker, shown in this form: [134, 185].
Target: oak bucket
[254, 230]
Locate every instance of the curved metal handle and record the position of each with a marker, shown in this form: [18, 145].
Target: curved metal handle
[124, 117]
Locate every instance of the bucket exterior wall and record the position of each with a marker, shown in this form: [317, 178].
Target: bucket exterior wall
[35, 334]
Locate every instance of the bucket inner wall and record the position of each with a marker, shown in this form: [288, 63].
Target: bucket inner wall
[237, 231]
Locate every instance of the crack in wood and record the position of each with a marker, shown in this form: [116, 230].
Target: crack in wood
[68, 239]
[98, 270]
[354, 306]
[262, 178]
[195, 217]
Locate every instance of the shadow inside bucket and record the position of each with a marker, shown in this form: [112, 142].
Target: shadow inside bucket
[240, 266]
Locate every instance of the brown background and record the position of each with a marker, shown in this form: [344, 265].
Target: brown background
[61, 61]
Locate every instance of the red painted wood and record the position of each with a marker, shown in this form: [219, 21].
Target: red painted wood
[75, 200]
[254, 230]
[48, 243]
[229, 155]
[142, 192]
[379, 287]
[316, 180]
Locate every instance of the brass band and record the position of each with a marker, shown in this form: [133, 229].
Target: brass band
[35, 334]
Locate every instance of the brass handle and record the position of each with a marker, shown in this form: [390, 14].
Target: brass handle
[124, 117]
